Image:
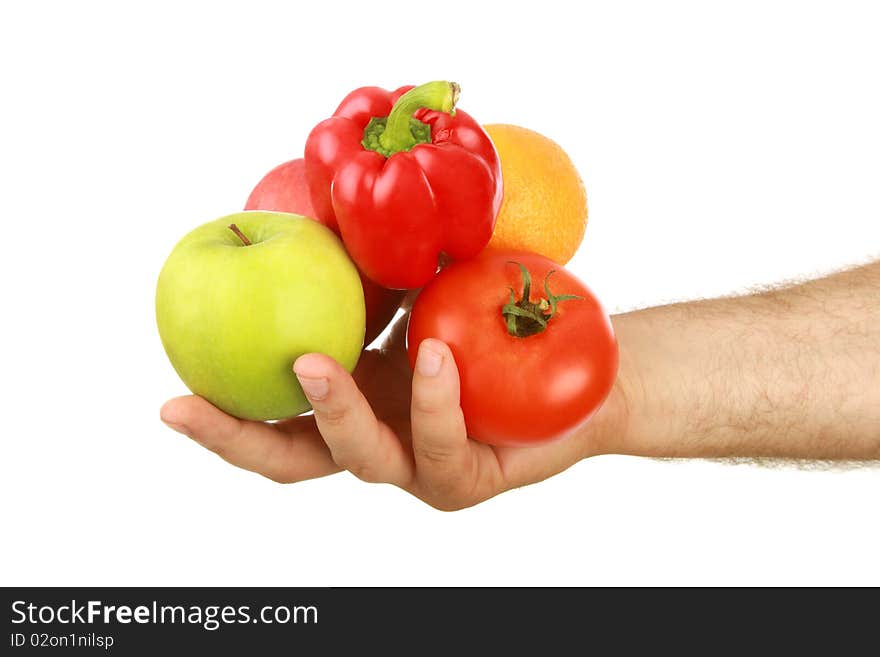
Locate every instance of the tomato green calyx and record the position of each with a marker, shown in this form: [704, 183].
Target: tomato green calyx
[244, 240]
[399, 131]
[526, 317]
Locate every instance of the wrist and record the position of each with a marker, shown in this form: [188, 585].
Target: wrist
[639, 417]
[608, 431]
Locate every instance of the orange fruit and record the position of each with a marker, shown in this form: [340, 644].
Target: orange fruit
[545, 204]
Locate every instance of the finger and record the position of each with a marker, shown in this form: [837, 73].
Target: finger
[443, 455]
[254, 446]
[357, 440]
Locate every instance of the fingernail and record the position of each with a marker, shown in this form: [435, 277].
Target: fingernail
[428, 362]
[315, 387]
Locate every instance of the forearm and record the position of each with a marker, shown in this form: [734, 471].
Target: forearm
[790, 373]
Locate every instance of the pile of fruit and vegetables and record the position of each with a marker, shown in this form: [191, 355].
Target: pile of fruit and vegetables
[399, 190]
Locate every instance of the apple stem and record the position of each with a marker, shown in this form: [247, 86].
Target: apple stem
[235, 229]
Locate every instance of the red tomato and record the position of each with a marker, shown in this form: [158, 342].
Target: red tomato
[284, 189]
[518, 390]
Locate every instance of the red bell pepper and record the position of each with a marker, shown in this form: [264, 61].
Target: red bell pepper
[403, 177]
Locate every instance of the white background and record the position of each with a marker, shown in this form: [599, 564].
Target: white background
[723, 145]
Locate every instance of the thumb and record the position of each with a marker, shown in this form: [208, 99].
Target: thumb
[439, 438]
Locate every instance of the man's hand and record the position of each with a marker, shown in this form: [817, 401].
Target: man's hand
[386, 424]
[790, 373]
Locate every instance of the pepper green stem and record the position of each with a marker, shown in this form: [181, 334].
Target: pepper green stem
[439, 95]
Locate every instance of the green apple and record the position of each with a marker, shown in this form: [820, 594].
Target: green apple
[240, 298]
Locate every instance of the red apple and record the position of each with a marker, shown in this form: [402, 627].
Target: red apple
[284, 189]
